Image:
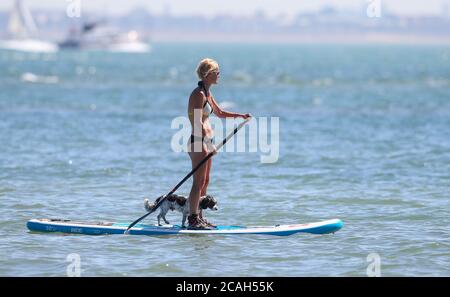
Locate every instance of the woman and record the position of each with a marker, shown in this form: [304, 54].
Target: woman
[201, 105]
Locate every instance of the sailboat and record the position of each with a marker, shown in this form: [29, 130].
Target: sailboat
[23, 32]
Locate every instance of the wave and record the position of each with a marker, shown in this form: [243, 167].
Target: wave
[437, 82]
[33, 78]
[226, 104]
[242, 76]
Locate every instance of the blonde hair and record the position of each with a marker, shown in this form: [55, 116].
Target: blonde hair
[205, 67]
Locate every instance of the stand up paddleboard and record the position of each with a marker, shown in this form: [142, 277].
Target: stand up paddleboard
[102, 228]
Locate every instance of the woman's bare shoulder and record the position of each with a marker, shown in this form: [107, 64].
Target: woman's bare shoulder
[197, 95]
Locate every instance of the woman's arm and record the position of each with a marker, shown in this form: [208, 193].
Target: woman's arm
[220, 113]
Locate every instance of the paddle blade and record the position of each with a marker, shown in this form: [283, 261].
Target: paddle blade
[161, 199]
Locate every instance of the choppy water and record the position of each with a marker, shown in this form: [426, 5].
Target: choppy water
[364, 136]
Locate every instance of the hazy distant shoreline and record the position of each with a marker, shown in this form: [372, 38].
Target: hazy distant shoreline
[373, 38]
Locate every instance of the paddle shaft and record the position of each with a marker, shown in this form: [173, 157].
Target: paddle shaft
[190, 174]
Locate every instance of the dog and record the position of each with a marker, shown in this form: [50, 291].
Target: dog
[179, 203]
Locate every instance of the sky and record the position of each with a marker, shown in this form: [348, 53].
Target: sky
[237, 7]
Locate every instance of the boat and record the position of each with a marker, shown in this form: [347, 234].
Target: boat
[105, 228]
[24, 33]
[96, 36]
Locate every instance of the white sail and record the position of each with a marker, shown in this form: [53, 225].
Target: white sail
[15, 25]
[27, 17]
[21, 23]
[23, 31]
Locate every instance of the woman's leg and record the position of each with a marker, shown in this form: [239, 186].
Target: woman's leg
[207, 173]
[198, 181]
[205, 185]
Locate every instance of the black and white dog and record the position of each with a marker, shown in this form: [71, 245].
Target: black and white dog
[181, 204]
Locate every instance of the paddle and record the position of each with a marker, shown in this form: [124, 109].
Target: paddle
[190, 174]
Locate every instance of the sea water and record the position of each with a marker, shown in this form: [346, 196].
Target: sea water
[364, 136]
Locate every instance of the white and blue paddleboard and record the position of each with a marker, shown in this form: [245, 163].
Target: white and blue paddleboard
[101, 228]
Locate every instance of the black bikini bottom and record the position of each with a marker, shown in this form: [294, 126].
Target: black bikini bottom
[202, 139]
